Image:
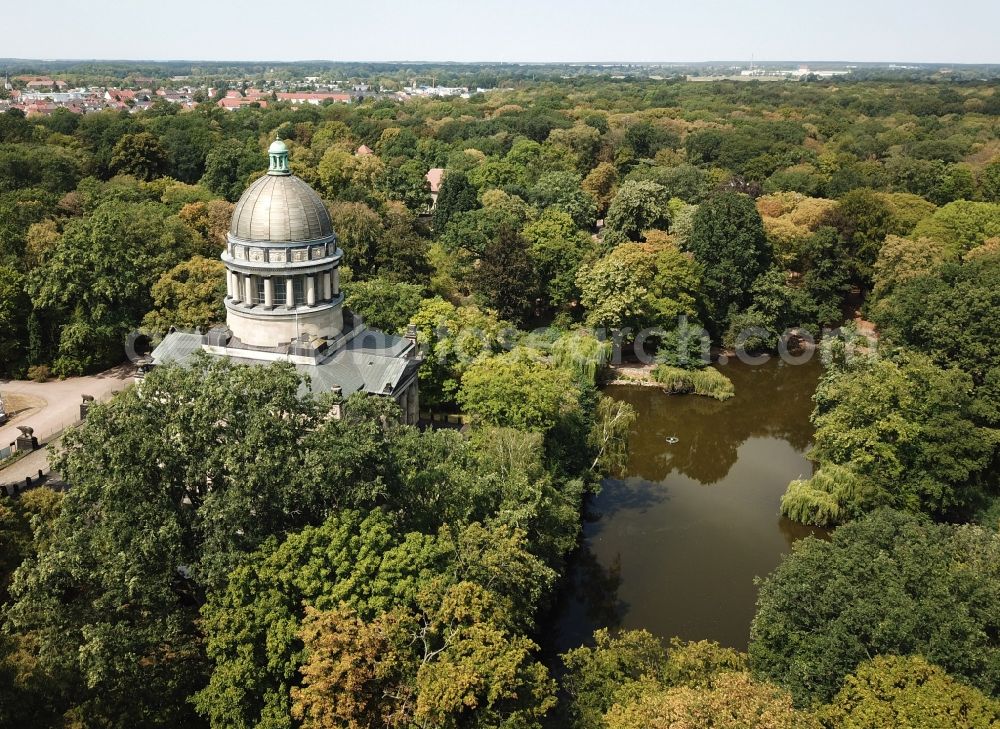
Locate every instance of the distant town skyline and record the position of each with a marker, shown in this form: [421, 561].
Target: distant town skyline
[580, 31]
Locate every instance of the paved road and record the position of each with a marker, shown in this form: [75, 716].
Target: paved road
[61, 400]
[30, 465]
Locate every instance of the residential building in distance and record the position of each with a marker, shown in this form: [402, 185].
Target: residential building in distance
[314, 97]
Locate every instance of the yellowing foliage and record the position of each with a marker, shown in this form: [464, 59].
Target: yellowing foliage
[735, 701]
[789, 218]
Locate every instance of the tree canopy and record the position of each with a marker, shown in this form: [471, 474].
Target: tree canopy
[231, 555]
[908, 691]
[728, 240]
[225, 516]
[888, 583]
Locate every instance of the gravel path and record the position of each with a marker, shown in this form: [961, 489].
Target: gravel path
[57, 402]
[49, 407]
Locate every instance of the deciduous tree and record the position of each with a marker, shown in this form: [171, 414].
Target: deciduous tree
[15, 308]
[733, 701]
[428, 669]
[562, 191]
[97, 280]
[229, 166]
[636, 208]
[452, 338]
[907, 691]
[558, 248]
[908, 428]
[728, 240]
[383, 304]
[519, 390]
[885, 584]
[140, 155]
[189, 295]
[600, 182]
[638, 286]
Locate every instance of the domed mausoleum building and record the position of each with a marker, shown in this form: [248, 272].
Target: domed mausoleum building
[284, 303]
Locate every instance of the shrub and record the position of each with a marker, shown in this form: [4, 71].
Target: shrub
[39, 373]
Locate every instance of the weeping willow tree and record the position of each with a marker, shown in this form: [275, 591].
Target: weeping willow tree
[613, 420]
[582, 354]
[830, 497]
[709, 381]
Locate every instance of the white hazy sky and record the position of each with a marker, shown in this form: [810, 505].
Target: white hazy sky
[958, 31]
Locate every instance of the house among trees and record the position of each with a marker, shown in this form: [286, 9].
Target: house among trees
[235, 100]
[284, 302]
[434, 177]
[35, 83]
[314, 97]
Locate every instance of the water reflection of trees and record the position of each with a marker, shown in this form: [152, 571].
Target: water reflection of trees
[792, 531]
[634, 494]
[597, 590]
[587, 600]
[772, 401]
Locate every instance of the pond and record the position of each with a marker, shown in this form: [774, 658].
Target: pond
[675, 544]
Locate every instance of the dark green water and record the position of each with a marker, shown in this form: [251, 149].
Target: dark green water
[674, 546]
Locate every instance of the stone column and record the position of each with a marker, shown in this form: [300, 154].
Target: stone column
[234, 287]
[310, 291]
[268, 292]
[327, 286]
[404, 404]
[229, 285]
[413, 416]
[290, 292]
[336, 281]
[248, 297]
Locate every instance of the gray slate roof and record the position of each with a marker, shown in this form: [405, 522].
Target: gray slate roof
[378, 369]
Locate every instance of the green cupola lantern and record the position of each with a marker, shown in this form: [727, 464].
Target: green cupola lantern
[278, 154]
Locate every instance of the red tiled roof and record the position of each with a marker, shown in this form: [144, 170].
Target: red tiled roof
[434, 176]
[312, 96]
[40, 108]
[121, 94]
[239, 102]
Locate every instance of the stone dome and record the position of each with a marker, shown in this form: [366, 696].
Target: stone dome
[280, 208]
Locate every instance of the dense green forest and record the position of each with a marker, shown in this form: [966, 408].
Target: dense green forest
[228, 556]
